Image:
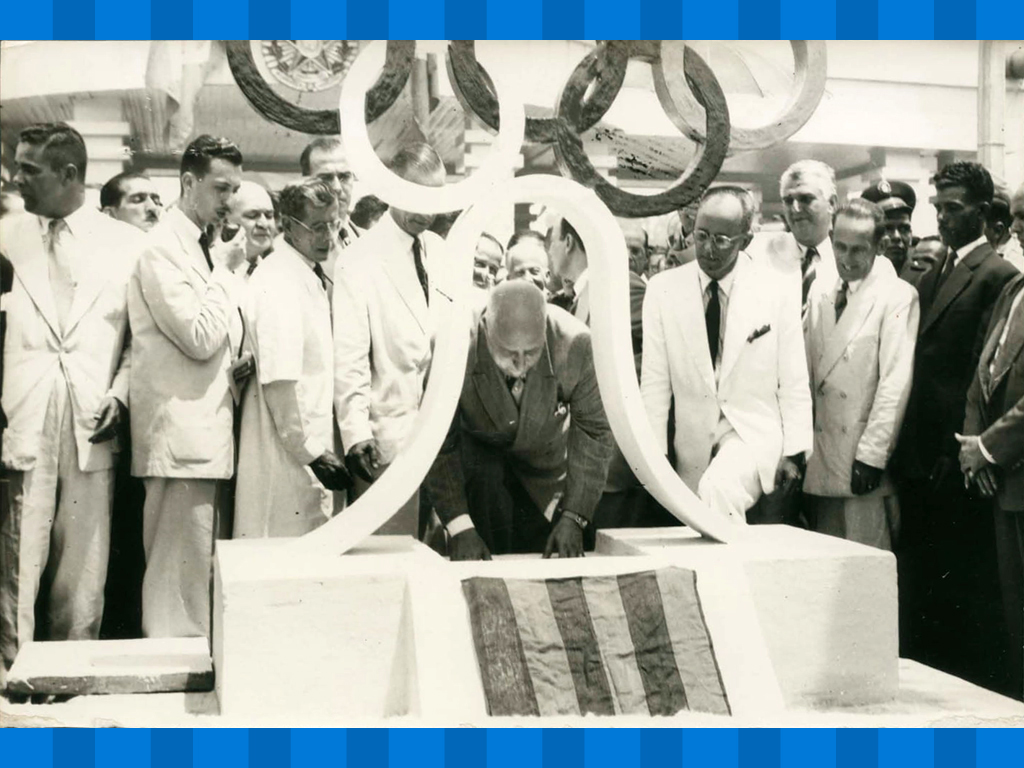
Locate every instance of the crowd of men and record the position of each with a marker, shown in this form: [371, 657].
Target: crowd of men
[258, 360]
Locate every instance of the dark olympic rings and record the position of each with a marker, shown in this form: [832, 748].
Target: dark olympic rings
[269, 104]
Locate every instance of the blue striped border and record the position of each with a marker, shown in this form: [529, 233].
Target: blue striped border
[521, 748]
[521, 19]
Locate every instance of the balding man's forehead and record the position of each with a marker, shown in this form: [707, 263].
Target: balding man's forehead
[251, 195]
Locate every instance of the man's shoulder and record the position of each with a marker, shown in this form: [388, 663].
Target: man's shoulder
[564, 325]
[995, 265]
[671, 279]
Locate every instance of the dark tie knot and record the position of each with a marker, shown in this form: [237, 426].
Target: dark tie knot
[809, 257]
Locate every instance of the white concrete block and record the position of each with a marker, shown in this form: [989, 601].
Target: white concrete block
[827, 607]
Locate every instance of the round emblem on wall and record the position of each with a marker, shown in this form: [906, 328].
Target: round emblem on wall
[305, 65]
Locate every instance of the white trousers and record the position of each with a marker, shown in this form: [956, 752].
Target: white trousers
[731, 484]
[55, 532]
[178, 521]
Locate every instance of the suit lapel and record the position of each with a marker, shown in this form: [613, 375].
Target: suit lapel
[539, 396]
[1012, 346]
[692, 326]
[403, 276]
[93, 269]
[737, 324]
[957, 281]
[839, 335]
[31, 267]
[490, 386]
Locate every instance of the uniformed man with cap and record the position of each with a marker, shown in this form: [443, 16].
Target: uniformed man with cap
[897, 200]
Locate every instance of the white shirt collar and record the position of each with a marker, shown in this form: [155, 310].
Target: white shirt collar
[824, 249]
[182, 224]
[962, 253]
[75, 221]
[724, 285]
[289, 248]
[851, 287]
[581, 282]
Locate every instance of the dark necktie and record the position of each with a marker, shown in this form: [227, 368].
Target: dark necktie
[841, 299]
[515, 387]
[947, 269]
[421, 272]
[809, 272]
[319, 272]
[204, 243]
[713, 321]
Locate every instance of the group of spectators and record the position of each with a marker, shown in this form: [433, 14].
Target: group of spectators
[257, 360]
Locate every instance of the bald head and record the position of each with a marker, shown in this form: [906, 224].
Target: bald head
[516, 326]
[253, 210]
[527, 260]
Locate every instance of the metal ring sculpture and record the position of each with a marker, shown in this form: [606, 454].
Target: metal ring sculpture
[267, 102]
[579, 198]
[687, 114]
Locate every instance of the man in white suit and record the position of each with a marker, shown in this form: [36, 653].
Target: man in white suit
[287, 468]
[65, 390]
[860, 346]
[723, 336]
[808, 190]
[183, 301]
[386, 291]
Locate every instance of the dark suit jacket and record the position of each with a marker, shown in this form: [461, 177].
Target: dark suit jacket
[558, 439]
[995, 401]
[6, 283]
[953, 322]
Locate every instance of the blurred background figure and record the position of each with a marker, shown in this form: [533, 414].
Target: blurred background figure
[133, 199]
[366, 212]
[527, 260]
[998, 228]
[253, 210]
[487, 261]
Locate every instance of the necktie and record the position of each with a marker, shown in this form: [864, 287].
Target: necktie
[421, 272]
[947, 269]
[841, 298]
[515, 387]
[319, 272]
[204, 243]
[713, 321]
[62, 283]
[809, 272]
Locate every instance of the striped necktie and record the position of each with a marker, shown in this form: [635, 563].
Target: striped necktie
[809, 272]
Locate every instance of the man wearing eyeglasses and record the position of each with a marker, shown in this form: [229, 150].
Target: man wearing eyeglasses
[324, 158]
[723, 336]
[287, 468]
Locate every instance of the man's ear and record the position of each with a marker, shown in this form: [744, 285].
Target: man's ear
[69, 173]
[747, 240]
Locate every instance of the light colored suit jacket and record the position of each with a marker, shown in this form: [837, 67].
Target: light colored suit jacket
[762, 389]
[89, 356]
[781, 252]
[384, 334]
[861, 370]
[186, 330]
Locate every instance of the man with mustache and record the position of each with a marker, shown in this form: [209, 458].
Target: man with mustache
[949, 599]
[525, 462]
[387, 285]
[65, 391]
[133, 199]
[184, 301]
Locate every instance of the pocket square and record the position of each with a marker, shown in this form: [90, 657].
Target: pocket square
[758, 333]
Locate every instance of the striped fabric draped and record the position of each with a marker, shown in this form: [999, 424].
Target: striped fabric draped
[633, 644]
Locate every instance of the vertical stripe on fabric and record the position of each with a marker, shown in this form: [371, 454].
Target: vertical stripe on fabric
[543, 648]
[572, 617]
[691, 642]
[654, 657]
[612, 629]
[499, 650]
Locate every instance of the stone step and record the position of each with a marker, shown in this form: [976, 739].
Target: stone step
[79, 667]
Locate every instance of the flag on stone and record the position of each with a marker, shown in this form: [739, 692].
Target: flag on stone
[633, 644]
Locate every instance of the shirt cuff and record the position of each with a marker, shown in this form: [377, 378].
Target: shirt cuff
[313, 450]
[985, 453]
[459, 524]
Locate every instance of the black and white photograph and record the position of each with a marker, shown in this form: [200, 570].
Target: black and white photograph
[532, 383]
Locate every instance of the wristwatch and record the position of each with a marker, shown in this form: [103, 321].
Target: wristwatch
[581, 521]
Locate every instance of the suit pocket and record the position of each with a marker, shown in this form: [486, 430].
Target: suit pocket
[192, 442]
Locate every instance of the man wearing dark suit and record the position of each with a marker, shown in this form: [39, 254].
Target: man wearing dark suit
[528, 454]
[992, 458]
[948, 588]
